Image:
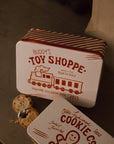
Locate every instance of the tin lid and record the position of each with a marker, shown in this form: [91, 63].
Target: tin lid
[71, 41]
[49, 64]
[62, 123]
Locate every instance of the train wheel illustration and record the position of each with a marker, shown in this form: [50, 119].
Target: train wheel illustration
[44, 85]
[56, 87]
[49, 86]
[51, 142]
[39, 84]
[70, 90]
[62, 89]
[76, 92]
[33, 83]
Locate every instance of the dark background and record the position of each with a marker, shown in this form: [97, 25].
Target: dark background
[16, 18]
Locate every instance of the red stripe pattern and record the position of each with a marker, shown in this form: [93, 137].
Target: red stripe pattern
[66, 40]
[40, 133]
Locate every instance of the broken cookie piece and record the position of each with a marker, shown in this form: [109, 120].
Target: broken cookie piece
[26, 116]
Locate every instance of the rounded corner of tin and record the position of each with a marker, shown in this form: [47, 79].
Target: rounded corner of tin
[29, 130]
[92, 105]
[19, 89]
[18, 43]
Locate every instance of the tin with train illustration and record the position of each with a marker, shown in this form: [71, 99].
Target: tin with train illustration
[49, 64]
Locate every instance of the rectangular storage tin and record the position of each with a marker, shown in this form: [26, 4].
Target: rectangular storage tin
[49, 64]
[62, 123]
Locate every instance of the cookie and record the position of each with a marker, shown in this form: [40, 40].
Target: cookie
[21, 102]
[26, 116]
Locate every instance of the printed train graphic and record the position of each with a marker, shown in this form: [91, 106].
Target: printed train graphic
[41, 77]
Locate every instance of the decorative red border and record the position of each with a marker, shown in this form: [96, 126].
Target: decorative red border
[62, 46]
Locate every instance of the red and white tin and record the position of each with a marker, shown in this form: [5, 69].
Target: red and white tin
[49, 64]
[62, 123]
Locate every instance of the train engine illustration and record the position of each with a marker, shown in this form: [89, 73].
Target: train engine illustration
[41, 77]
